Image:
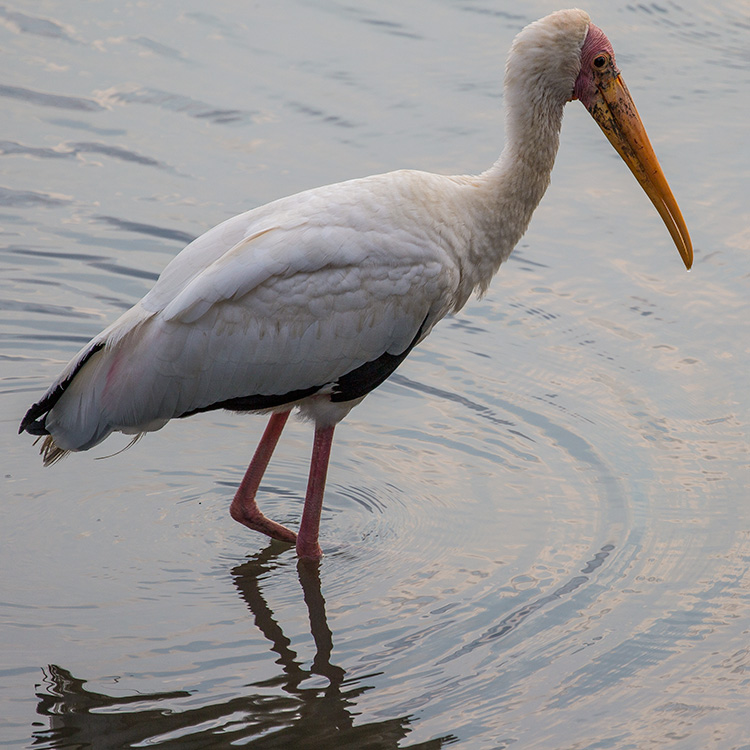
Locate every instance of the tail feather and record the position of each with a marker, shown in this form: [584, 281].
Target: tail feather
[35, 419]
[70, 416]
[51, 453]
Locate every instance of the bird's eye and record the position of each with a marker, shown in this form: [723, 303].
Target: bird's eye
[600, 61]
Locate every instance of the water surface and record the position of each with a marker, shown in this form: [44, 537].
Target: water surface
[536, 534]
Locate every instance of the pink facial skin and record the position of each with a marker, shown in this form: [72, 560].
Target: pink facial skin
[595, 45]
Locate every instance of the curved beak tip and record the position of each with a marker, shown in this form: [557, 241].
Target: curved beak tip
[689, 262]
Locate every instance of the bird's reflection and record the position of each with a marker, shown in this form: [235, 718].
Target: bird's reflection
[246, 579]
[292, 717]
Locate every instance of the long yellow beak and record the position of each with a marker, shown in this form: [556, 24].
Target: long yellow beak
[614, 110]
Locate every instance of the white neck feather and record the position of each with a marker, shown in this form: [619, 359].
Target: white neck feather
[540, 74]
[506, 195]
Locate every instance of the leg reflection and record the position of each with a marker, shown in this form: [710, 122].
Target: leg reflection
[280, 712]
[309, 578]
[247, 579]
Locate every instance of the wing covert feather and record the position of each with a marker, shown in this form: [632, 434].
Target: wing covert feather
[289, 296]
[277, 338]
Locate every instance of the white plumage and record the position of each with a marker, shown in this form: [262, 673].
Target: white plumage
[312, 300]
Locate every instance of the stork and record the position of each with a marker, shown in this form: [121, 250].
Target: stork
[312, 301]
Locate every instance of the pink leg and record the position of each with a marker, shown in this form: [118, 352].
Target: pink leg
[307, 538]
[244, 508]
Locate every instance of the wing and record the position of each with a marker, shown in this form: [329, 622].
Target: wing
[314, 288]
[245, 328]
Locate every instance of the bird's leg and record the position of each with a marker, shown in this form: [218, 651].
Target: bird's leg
[244, 508]
[307, 538]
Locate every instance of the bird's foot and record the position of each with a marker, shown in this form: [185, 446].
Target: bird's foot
[256, 521]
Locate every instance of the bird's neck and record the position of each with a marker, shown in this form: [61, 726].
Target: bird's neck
[509, 192]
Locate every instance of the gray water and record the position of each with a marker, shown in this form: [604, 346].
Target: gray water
[536, 534]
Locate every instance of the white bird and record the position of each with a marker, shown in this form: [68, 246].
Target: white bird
[313, 300]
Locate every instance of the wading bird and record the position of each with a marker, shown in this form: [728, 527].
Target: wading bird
[312, 301]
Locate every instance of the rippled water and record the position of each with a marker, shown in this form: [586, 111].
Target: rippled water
[537, 533]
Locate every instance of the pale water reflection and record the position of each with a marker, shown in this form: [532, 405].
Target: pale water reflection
[537, 532]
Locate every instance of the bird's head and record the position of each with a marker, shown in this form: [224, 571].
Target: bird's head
[601, 89]
[563, 57]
